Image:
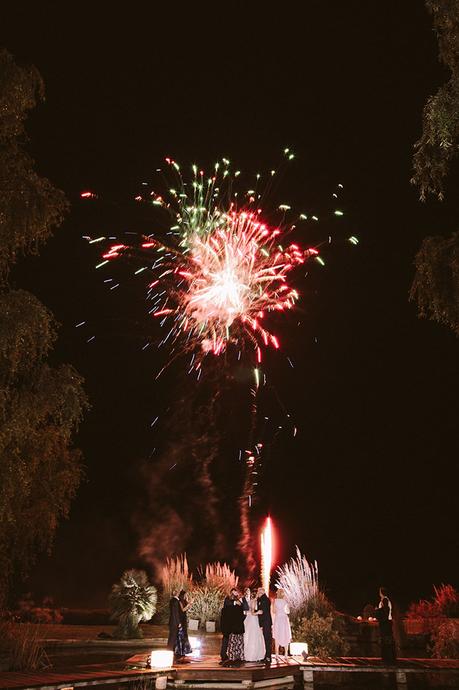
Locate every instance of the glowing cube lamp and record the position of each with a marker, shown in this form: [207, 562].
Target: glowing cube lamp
[161, 658]
[195, 644]
[299, 648]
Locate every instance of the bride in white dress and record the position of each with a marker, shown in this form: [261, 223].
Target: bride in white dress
[254, 644]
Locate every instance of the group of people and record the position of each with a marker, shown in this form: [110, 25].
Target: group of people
[249, 624]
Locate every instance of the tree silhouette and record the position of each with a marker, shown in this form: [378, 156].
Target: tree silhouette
[40, 405]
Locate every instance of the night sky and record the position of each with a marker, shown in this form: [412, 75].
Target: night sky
[368, 486]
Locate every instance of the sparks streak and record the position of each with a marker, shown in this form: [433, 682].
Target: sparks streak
[266, 555]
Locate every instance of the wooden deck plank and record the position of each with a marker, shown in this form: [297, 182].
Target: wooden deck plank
[207, 669]
[16, 679]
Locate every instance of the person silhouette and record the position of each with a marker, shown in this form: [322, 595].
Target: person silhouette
[265, 621]
[384, 618]
[233, 599]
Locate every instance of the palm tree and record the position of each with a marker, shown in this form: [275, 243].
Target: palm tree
[132, 601]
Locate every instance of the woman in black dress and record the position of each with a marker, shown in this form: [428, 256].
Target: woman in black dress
[183, 644]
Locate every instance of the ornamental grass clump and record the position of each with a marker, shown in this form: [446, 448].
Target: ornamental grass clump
[207, 604]
[175, 575]
[217, 580]
[132, 601]
[220, 576]
[312, 615]
[300, 581]
[21, 647]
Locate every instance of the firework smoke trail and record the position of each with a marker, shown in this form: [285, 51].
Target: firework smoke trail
[203, 464]
[181, 497]
[245, 544]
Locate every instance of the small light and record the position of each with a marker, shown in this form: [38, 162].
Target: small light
[195, 643]
[161, 658]
[298, 648]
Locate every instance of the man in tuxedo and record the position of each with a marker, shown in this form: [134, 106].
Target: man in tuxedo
[233, 599]
[265, 620]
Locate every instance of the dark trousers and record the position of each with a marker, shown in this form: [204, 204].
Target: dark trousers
[388, 654]
[224, 648]
[268, 637]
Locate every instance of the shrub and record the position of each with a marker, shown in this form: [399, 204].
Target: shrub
[444, 603]
[318, 604]
[445, 639]
[20, 644]
[322, 635]
[132, 600]
[447, 601]
[437, 614]
[29, 612]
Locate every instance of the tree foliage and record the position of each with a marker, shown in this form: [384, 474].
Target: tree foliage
[439, 141]
[435, 287]
[40, 405]
[30, 207]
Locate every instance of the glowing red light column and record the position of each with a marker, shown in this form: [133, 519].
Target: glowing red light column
[266, 554]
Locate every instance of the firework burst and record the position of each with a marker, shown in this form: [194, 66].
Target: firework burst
[223, 269]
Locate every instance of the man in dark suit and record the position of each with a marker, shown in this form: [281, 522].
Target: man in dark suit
[384, 617]
[266, 622]
[234, 599]
[174, 621]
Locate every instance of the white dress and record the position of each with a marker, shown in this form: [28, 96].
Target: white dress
[254, 643]
[281, 626]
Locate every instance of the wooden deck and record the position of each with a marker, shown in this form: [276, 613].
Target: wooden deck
[81, 677]
[206, 672]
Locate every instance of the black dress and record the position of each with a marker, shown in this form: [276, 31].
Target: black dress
[228, 602]
[232, 626]
[174, 623]
[183, 644]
